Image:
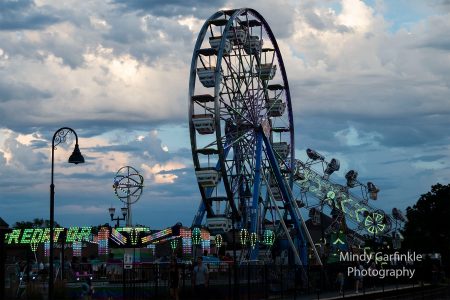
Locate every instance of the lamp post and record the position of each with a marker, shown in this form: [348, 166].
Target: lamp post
[235, 275]
[76, 158]
[112, 211]
[4, 229]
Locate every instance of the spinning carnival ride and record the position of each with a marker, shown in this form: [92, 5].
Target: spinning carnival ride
[242, 138]
[128, 185]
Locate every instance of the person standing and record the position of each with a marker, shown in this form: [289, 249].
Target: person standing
[359, 278]
[340, 282]
[200, 279]
[174, 276]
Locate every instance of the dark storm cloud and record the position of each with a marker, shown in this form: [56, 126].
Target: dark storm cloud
[148, 147]
[409, 131]
[172, 8]
[440, 5]
[12, 90]
[86, 176]
[23, 14]
[438, 38]
[425, 158]
[148, 38]
[443, 43]
[177, 172]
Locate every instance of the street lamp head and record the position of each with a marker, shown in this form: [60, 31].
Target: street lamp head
[124, 211]
[111, 210]
[76, 157]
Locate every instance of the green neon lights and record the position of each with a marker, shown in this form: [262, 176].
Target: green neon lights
[13, 236]
[268, 237]
[41, 235]
[337, 196]
[34, 246]
[218, 240]
[78, 234]
[244, 236]
[26, 236]
[253, 239]
[196, 236]
[133, 233]
[339, 239]
[360, 211]
[374, 223]
[331, 195]
[174, 244]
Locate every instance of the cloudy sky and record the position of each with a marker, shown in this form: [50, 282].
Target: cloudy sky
[370, 83]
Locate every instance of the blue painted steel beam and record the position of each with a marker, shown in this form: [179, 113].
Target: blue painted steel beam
[256, 192]
[287, 199]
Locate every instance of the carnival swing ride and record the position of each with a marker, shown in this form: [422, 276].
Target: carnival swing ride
[243, 148]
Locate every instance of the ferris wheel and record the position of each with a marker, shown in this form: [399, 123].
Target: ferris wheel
[241, 128]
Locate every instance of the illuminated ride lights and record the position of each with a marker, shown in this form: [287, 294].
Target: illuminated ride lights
[196, 236]
[133, 233]
[174, 244]
[186, 240]
[244, 236]
[253, 239]
[157, 235]
[41, 235]
[268, 237]
[218, 241]
[117, 237]
[103, 241]
[78, 234]
[339, 198]
[206, 240]
[167, 239]
[47, 249]
[375, 222]
[34, 246]
[77, 246]
[152, 247]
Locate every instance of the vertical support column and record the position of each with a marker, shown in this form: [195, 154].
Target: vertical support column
[128, 209]
[2, 264]
[287, 200]
[256, 189]
[4, 229]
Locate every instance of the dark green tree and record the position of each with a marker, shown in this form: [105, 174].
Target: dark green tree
[36, 223]
[428, 227]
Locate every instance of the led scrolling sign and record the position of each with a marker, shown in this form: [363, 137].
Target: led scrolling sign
[42, 235]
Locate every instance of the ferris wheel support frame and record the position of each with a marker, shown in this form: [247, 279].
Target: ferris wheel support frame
[270, 159]
[287, 199]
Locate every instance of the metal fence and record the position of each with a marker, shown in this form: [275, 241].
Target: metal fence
[226, 281]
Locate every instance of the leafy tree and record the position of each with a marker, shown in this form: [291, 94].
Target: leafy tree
[36, 223]
[428, 225]
[96, 229]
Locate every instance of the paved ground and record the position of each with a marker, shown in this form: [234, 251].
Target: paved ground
[351, 293]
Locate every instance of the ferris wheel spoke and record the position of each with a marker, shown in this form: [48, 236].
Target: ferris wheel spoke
[231, 110]
[235, 74]
[239, 84]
